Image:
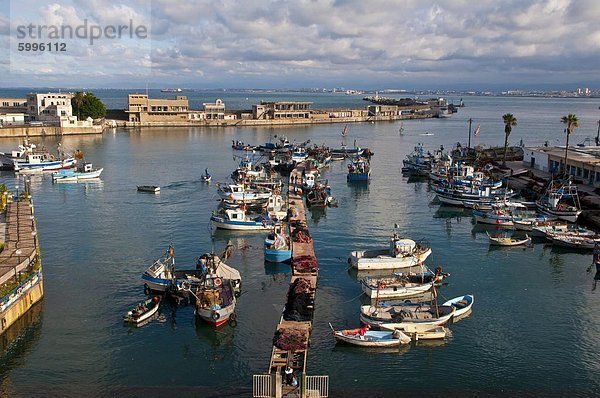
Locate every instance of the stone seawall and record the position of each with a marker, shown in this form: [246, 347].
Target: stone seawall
[46, 131]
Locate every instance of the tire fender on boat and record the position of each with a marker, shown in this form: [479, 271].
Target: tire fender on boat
[232, 323]
[217, 282]
[237, 294]
[215, 315]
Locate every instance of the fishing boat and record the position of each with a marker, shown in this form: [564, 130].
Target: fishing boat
[142, 311]
[163, 275]
[503, 214]
[406, 313]
[241, 193]
[574, 242]
[528, 223]
[560, 228]
[239, 220]
[215, 301]
[277, 245]
[418, 163]
[502, 239]
[401, 253]
[318, 196]
[83, 172]
[412, 285]
[363, 337]
[420, 332]
[28, 158]
[462, 306]
[560, 200]
[206, 177]
[148, 188]
[359, 170]
[473, 197]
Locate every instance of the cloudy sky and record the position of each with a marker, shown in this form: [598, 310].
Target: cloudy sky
[375, 44]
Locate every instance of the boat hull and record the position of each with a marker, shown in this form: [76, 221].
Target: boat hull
[216, 317]
[278, 256]
[221, 223]
[373, 339]
[463, 306]
[44, 166]
[381, 260]
[396, 292]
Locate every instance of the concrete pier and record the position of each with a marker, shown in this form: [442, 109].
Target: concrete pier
[305, 275]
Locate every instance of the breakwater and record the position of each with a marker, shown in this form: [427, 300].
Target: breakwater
[46, 131]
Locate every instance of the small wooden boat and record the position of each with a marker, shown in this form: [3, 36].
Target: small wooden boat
[420, 333]
[277, 245]
[367, 338]
[401, 253]
[406, 313]
[148, 188]
[84, 172]
[143, 311]
[504, 240]
[462, 304]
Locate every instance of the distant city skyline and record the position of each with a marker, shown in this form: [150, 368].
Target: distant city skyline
[375, 45]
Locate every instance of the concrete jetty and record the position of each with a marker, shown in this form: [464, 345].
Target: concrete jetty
[21, 281]
[295, 334]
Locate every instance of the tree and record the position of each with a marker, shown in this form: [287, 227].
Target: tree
[572, 123]
[77, 101]
[509, 122]
[90, 106]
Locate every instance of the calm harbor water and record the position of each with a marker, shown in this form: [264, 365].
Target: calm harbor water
[536, 319]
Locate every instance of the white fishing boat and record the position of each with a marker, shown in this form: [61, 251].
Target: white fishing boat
[242, 194]
[239, 220]
[28, 158]
[502, 239]
[557, 228]
[412, 287]
[402, 253]
[143, 311]
[83, 172]
[370, 338]
[560, 200]
[413, 313]
[462, 306]
[215, 302]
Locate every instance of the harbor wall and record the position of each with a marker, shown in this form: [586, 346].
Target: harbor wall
[45, 131]
[271, 122]
[21, 306]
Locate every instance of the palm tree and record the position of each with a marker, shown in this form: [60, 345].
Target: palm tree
[509, 122]
[572, 123]
[78, 100]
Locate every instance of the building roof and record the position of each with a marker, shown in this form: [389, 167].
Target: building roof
[587, 154]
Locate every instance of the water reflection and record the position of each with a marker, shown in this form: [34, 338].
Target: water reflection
[20, 338]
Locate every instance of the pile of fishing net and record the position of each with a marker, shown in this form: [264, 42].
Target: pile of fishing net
[305, 264]
[301, 235]
[290, 340]
[300, 304]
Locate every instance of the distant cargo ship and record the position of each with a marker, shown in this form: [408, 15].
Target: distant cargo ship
[171, 90]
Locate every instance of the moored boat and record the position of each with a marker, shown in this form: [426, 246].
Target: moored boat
[505, 240]
[402, 253]
[239, 220]
[215, 302]
[462, 306]
[412, 313]
[79, 173]
[574, 242]
[277, 245]
[370, 338]
[143, 311]
[359, 170]
[560, 200]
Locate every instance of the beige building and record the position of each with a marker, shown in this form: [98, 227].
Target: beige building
[282, 110]
[49, 107]
[143, 109]
[583, 163]
[9, 119]
[13, 105]
[214, 110]
[383, 110]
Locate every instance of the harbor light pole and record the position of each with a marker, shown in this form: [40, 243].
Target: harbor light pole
[469, 144]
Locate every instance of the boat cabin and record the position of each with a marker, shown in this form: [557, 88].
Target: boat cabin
[401, 246]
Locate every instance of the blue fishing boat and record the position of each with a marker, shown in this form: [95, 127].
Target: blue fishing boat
[277, 245]
[359, 170]
[239, 220]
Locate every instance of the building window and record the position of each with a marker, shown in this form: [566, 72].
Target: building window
[586, 173]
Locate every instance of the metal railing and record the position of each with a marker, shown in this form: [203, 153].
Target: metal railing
[263, 386]
[316, 386]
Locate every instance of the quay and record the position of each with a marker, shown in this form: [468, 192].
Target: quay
[21, 280]
[292, 336]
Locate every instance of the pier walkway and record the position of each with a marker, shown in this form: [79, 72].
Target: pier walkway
[20, 268]
[291, 340]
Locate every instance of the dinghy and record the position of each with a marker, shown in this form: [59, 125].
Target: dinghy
[462, 305]
[143, 311]
[363, 337]
[574, 242]
[420, 333]
[504, 240]
[404, 313]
